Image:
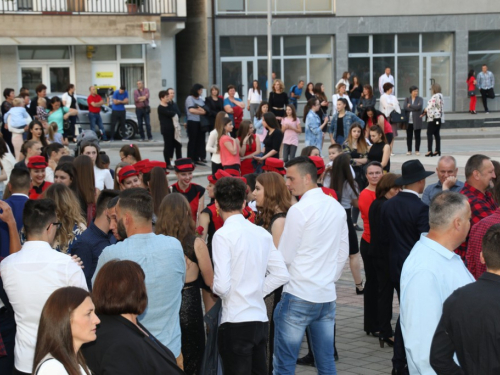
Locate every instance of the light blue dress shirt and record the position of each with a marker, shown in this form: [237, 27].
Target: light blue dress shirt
[432, 190]
[162, 260]
[430, 274]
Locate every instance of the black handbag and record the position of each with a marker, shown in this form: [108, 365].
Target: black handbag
[397, 118]
[147, 109]
[471, 93]
[491, 93]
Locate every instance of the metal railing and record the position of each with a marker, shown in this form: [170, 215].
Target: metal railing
[89, 6]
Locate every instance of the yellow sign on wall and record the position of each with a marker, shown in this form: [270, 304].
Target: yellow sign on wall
[104, 75]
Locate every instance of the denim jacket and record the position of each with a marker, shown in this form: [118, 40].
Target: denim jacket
[349, 119]
[314, 134]
[257, 124]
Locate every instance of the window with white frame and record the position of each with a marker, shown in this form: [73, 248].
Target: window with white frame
[484, 48]
[277, 6]
[307, 58]
[414, 59]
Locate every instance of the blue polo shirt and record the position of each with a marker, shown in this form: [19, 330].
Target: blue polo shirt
[16, 202]
[118, 96]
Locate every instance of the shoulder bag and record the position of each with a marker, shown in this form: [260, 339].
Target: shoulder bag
[397, 118]
[66, 122]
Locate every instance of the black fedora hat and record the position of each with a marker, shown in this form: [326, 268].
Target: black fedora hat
[412, 171]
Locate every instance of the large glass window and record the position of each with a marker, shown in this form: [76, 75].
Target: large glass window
[43, 52]
[407, 74]
[484, 41]
[231, 5]
[321, 45]
[131, 51]
[320, 70]
[379, 65]
[129, 75]
[104, 53]
[257, 6]
[295, 70]
[360, 66]
[289, 5]
[383, 43]
[408, 43]
[277, 6]
[236, 46]
[294, 45]
[492, 61]
[437, 42]
[359, 44]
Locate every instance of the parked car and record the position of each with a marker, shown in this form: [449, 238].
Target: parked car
[128, 131]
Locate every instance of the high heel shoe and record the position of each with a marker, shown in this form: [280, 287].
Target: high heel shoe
[360, 291]
[437, 153]
[382, 341]
[429, 154]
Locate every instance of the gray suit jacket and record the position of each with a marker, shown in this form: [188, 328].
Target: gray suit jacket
[416, 109]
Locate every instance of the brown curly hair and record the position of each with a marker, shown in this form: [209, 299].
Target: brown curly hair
[277, 198]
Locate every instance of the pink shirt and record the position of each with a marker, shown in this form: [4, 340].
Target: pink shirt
[225, 156]
[290, 137]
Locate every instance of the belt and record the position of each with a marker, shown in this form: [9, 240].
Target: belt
[279, 109]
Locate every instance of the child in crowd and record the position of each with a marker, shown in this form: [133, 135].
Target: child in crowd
[54, 136]
[333, 151]
[17, 119]
[41, 112]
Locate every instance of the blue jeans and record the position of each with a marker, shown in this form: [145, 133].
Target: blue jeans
[142, 115]
[355, 103]
[340, 139]
[292, 317]
[95, 118]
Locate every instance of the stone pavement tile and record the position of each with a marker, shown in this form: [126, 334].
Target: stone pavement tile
[364, 371]
[376, 366]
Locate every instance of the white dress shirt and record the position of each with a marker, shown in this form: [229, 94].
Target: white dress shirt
[255, 97]
[29, 278]
[247, 267]
[49, 174]
[103, 179]
[384, 78]
[389, 103]
[315, 245]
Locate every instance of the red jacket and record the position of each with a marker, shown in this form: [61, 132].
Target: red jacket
[238, 116]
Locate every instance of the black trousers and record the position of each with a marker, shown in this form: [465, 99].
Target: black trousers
[236, 167]
[196, 142]
[216, 167]
[484, 97]
[399, 358]
[385, 296]
[409, 137]
[353, 237]
[370, 295]
[433, 130]
[170, 144]
[70, 132]
[7, 137]
[8, 332]
[117, 116]
[242, 347]
[17, 372]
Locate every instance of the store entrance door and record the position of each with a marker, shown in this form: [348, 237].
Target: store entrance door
[55, 77]
[239, 74]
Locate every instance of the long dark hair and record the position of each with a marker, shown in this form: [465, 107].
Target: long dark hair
[43, 139]
[340, 174]
[69, 169]
[132, 150]
[243, 131]
[54, 330]
[85, 178]
[370, 90]
[376, 114]
[176, 220]
[52, 101]
[471, 74]
[258, 114]
[310, 103]
[158, 187]
[98, 161]
[3, 148]
[320, 94]
[256, 88]
[271, 121]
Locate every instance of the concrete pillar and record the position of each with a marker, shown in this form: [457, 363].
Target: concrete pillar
[341, 56]
[9, 68]
[83, 70]
[460, 70]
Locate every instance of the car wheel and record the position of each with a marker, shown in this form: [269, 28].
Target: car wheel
[128, 131]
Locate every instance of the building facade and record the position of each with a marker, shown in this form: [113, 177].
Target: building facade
[423, 42]
[106, 43]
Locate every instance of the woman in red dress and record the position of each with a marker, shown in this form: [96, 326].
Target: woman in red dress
[248, 146]
[471, 87]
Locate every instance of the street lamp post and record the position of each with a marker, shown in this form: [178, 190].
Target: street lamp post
[269, 46]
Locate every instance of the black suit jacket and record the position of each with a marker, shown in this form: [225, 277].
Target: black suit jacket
[404, 218]
[122, 349]
[469, 327]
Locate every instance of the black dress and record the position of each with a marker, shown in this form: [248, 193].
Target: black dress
[376, 153]
[309, 95]
[277, 103]
[215, 106]
[191, 321]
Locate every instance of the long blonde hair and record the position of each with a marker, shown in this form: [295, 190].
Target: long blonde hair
[68, 212]
[52, 130]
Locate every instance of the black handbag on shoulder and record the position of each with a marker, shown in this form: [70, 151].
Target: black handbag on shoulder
[471, 93]
[397, 118]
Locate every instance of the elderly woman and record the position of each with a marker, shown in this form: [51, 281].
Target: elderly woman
[388, 104]
[413, 106]
[124, 346]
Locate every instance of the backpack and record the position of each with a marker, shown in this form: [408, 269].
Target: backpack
[86, 135]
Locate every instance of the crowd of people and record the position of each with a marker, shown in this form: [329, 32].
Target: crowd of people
[110, 271]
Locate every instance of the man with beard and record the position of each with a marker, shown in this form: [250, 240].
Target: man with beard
[162, 259]
[113, 221]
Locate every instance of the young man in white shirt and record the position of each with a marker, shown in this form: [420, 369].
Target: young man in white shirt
[315, 246]
[243, 254]
[32, 274]
[385, 78]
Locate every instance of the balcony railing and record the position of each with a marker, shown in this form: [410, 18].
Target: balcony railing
[88, 7]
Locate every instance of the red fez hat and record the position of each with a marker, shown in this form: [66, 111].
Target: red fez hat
[319, 163]
[213, 178]
[140, 165]
[126, 172]
[153, 163]
[184, 165]
[274, 165]
[37, 162]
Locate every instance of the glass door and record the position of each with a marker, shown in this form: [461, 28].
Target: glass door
[31, 77]
[56, 77]
[437, 69]
[239, 74]
[59, 79]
